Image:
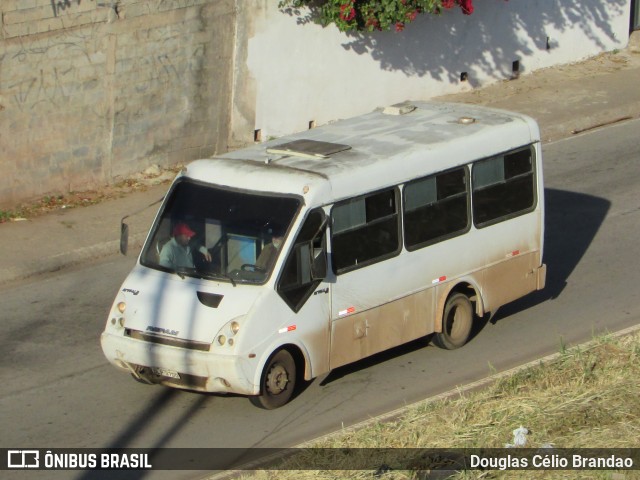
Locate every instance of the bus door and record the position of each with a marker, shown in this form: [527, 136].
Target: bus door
[304, 287]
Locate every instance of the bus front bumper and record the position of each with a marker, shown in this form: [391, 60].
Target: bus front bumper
[179, 367]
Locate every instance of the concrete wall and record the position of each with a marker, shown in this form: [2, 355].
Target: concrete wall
[94, 90]
[302, 72]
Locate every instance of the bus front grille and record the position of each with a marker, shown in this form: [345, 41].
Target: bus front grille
[162, 340]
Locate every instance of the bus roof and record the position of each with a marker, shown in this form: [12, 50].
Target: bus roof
[369, 152]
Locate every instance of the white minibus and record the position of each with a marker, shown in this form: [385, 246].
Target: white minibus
[282, 261]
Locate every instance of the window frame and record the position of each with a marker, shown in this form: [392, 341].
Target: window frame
[167, 204]
[398, 216]
[534, 186]
[447, 236]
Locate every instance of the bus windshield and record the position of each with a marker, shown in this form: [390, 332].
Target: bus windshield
[211, 232]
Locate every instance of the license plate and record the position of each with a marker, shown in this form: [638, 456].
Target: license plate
[165, 372]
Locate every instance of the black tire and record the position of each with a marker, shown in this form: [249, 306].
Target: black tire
[278, 381]
[456, 322]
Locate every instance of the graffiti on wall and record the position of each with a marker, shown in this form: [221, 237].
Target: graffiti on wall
[48, 72]
[58, 6]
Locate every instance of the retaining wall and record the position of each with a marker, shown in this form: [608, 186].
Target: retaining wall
[304, 73]
[94, 90]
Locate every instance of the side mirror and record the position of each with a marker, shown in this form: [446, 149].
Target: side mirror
[124, 228]
[124, 238]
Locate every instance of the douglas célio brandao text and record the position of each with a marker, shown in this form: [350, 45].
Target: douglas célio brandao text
[552, 461]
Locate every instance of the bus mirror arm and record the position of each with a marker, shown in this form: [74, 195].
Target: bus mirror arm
[124, 228]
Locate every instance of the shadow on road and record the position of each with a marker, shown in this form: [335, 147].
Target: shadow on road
[572, 222]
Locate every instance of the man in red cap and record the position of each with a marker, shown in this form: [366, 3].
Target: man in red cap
[176, 253]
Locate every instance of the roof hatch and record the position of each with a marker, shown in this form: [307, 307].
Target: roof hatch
[308, 148]
[399, 109]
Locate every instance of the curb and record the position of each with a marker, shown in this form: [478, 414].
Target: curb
[470, 387]
[64, 260]
[605, 118]
[395, 414]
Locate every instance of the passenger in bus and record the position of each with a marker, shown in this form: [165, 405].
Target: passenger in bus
[177, 252]
[269, 253]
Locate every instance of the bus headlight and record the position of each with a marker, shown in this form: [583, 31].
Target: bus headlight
[226, 335]
[117, 317]
[117, 322]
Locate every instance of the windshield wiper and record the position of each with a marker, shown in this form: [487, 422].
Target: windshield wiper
[180, 273]
[233, 282]
[217, 276]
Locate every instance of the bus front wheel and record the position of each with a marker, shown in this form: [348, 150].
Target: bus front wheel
[456, 322]
[278, 381]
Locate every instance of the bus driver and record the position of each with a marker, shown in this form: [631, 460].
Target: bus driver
[176, 253]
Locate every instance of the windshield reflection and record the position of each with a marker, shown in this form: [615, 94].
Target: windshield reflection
[211, 232]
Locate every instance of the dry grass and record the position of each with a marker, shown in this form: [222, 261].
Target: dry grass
[588, 398]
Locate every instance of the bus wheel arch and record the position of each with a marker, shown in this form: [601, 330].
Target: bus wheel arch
[280, 377]
[457, 314]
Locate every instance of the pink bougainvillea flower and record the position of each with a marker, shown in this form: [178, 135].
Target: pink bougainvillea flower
[466, 6]
[411, 16]
[347, 12]
[373, 22]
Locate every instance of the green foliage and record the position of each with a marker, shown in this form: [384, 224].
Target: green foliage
[370, 15]
[6, 215]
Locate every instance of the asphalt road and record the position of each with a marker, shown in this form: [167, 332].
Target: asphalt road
[58, 390]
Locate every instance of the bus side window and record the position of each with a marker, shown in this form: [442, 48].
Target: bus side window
[305, 266]
[436, 208]
[503, 187]
[365, 230]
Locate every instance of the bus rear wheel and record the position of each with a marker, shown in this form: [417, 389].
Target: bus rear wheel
[456, 322]
[278, 381]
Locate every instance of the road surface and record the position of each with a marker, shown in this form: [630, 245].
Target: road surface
[59, 391]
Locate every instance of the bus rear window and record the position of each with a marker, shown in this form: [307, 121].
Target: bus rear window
[503, 187]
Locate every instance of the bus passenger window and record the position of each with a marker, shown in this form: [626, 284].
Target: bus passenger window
[436, 208]
[365, 230]
[503, 187]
